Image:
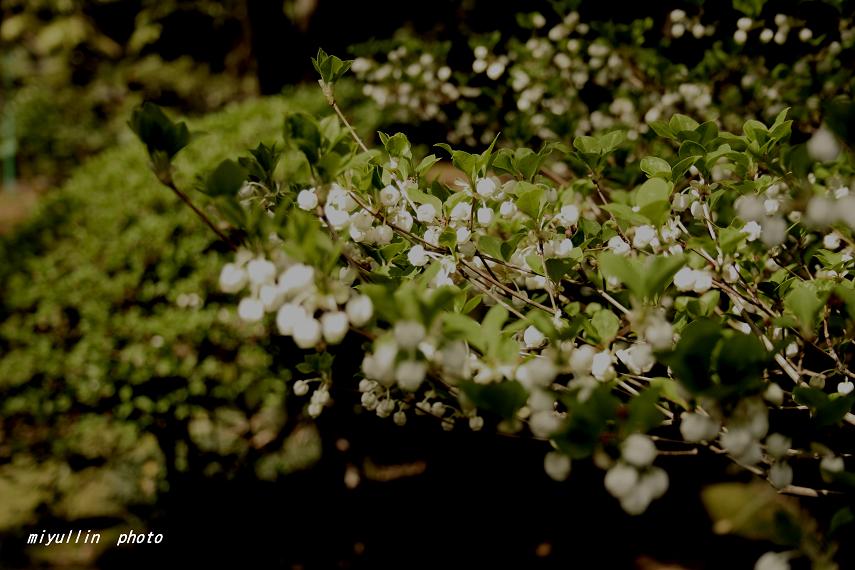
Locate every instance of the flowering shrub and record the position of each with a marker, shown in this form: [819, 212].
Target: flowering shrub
[578, 70]
[619, 310]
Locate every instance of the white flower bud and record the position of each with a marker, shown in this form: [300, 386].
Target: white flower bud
[823, 145]
[832, 464]
[260, 271]
[410, 374]
[772, 561]
[684, 279]
[296, 278]
[533, 338]
[301, 388]
[408, 334]
[621, 479]
[618, 245]
[334, 325]
[696, 427]
[232, 278]
[426, 213]
[307, 199]
[250, 309]
[359, 310]
[638, 450]
[556, 465]
[389, 196]
[485, 216]
[307, 332]
[417, 256]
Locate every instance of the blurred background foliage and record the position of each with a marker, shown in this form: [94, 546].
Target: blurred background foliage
[119, 360]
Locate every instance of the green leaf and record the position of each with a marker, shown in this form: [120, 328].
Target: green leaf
[303, 133]
[679, 123]
[644, 414]
[691, 359]
[805, 302]
[588, 145]
[502, 398]
[622, 269]
[226, 180]
[556, 269]
[605, 325]
[157, 132]
[531, 200]
[656, 167]
[653, 190]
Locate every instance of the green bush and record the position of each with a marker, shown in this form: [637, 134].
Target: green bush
[118, 360]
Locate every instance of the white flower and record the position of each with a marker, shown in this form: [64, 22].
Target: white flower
[410, 374]
[601, 366]
[569, 215]
[740, 36]
[307, 332]
[778, 445]
[232, 278]
[656, 481]
[426, 213]
[772, 561]
[301, 388]
[287, 315]
[400, 418]
[556, 465]
[696, 427]
[485, 216]
[389, 196]
[821, 211]
[780, 474]
[508, 209]
[379, 366]
[659, 333]
[296, 278]
[684, 279]
[744, 23]
[403, 219]
[845, 387]
[408, 334]
[250, 309]
[334, 325]
[533, 338]
[832, 464]
[618, 245]
[461, 211]
[805, 34]
[544, 423]
[307, 199]
[766, 35]
[270, 296]
[537, 372]
[462, 234]
[730, 273]
[753, 229]
[831, 241]
[638, 450]
[581, 359]
[638, 358]
[823, 146]
[774, 231]
[749, 207]
[337, 218]
[620, 479]
[643, 236]
[417, 256]
[703, 281]
[260, 271]
[736, 441]
[383, 234]
[359, 310]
